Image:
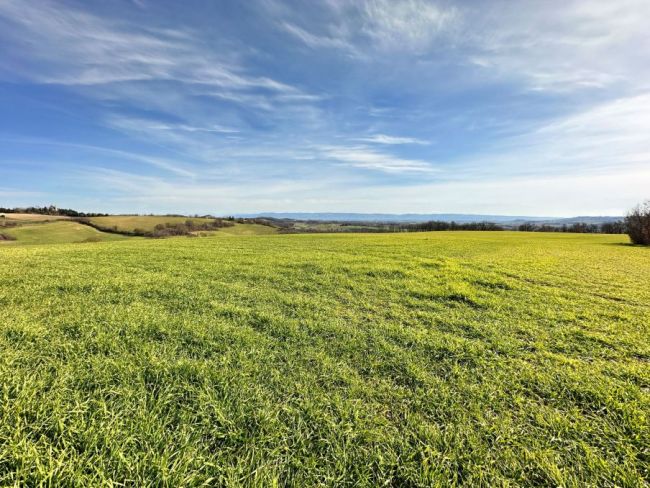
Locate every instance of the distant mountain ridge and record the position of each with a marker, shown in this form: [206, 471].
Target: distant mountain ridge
[443, 217]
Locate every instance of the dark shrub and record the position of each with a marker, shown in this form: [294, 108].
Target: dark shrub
[638, 224]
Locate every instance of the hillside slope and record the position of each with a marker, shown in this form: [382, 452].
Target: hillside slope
[59, 232]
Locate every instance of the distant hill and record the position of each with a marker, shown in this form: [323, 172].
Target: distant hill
[379, 217]
[585, 220]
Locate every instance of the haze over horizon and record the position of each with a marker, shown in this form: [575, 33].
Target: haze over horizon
[370, 106]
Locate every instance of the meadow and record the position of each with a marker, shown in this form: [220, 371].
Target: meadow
[147, 223]
[31, 218]
[31, 229]
[420, 359]
[54, 232]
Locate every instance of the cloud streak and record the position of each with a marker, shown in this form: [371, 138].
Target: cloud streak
[584, 45]
[316, 41]
[608, 138]
[170, 166]
[565, 195]
[392, 140]
[366, 158]
[77, 48]
[357, 26]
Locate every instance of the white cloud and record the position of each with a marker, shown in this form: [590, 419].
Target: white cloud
[578, 45]
[366, 158]
[219, 129]
[356, 26]
[406, 24]
[566, 195]
[145, 193]
[607, 193]
[607, 137]
[315, 41]
[72, 47]
[175, 167]
[392, 140]
[268, 102]
[582, 44]
[204, 144]
[125, 64]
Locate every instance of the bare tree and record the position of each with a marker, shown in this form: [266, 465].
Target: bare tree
[638, 224]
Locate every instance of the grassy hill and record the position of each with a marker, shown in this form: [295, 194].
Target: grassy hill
[428, 359]
[129, 223]
[147, 223]
[243, 230]
[30, 218]
[60, 232]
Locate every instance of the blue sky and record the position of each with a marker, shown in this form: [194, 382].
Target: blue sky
[527, 107]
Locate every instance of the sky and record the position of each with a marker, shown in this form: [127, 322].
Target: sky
[226, 106]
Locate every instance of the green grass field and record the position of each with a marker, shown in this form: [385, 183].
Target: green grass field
[55, 233]
[26, 217]
[146, 223]
[129, 223]
[427, 359]
[242, 230]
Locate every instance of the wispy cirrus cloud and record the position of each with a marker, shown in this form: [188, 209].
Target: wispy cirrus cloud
[169, 73]
[565, 195]
[317, 41]
[73, 47]
[392, 140]
[366, 158]
[213, 128]
[357, 26]
[586, 44]
[144, 191]
[406, 24]
[583, 45]
[177, 168]
[201, 144]
[607, 138]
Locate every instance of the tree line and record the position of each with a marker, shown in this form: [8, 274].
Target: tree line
[617, 227]
[636, 224]
[436, 225]
[51, 210]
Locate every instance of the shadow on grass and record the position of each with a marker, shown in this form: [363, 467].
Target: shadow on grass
[626, 244]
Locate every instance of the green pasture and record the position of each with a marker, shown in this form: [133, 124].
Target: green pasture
[419, 359]
[129, 223]
[64, 231]
[241, 230]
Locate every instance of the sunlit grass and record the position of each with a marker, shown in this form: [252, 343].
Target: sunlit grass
[64, 231]
[424, 359]
[239, 229]
[129, 223]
